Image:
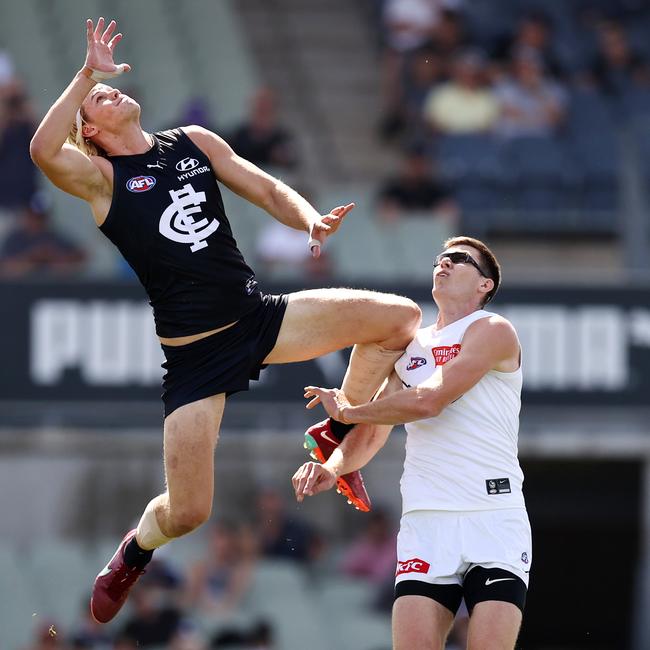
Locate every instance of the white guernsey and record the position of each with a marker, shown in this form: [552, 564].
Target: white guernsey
[465, 458]
[464, 532]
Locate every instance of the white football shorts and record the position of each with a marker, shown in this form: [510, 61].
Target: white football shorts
[440, 547]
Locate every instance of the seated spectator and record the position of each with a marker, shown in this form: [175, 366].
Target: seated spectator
[188, 638]
[17, 172]
[416, 190]
[88, 633]
[259, 636]
[373, 555]
[219, 581]
[33, 248]
[450, 37]
[408, 26]
[531, 104]
[283, 536]
[283, 251]
[155, 616]
[465, 104]
[261, 139]
[423, 71]
[534, 36]
[617, 66]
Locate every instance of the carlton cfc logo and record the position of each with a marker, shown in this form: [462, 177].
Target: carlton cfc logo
[445, 353]
[140, 183]
[414, 565]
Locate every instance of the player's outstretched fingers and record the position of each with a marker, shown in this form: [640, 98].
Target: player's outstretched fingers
[99, 28]
[106, 36]
[342, 210]
[299, 479]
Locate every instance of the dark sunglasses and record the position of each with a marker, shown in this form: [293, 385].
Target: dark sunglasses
[459, 257]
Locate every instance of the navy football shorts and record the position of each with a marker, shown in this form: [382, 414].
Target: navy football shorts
[223, 362]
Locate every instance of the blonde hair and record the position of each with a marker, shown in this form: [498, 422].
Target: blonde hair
[75, 137]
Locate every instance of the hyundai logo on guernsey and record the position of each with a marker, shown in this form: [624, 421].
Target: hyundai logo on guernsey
[415, 565]
[186, 164]
[416, 362]
[140, 183]
[190, 167]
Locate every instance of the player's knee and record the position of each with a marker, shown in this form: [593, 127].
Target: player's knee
[185, 520]
[412, 318]
[406, 316]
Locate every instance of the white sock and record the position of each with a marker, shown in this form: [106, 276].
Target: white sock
[148, 534]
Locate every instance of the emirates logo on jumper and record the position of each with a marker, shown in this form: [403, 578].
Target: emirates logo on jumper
[415, 565]
[177, 221]
[445, 353]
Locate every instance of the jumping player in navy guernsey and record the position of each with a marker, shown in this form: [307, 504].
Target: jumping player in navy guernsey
[156, 198]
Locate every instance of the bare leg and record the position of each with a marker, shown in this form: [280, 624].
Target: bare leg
[494, 625]
[420, 623]
[324, 320]
[190, 436]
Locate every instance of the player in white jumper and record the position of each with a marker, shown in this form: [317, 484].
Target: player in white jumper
[464, 530]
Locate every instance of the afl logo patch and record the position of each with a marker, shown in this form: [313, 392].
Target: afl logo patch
[187, 164]
[416, 362]
[140, 183]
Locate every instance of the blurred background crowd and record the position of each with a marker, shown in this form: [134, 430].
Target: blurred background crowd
[515, 118]
[524, 122]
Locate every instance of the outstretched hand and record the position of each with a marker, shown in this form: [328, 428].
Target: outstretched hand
[312, 478]
[332, 399]
[327, 225]
[99, 53]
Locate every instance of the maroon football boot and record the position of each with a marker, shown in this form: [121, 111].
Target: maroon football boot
[113, 583]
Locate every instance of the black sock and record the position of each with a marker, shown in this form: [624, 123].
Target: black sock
[339, 429]
[137, 557]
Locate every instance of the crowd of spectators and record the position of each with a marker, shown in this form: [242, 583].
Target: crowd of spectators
[512, 73]
[501, 73]
[198, 604]
[30, 245]
[444, 71]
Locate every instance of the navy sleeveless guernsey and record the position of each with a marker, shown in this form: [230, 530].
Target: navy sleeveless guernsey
[168, 221]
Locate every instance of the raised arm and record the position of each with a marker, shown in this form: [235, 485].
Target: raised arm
[65, 165]
[357, 449]
[268, 193]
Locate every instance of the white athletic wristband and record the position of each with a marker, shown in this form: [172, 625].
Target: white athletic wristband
[98, 75]
[313, 243]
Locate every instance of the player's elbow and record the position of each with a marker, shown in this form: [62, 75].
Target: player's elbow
[37, 151]
[428, 405]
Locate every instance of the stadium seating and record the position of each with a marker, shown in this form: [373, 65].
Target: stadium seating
[57, 567]
[18, 615]
[51, 581]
